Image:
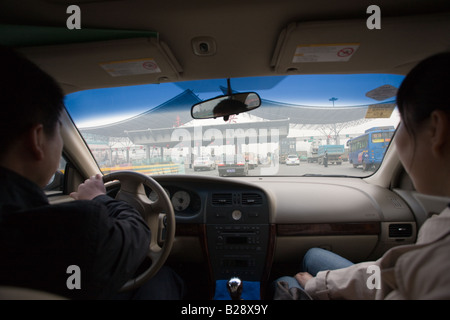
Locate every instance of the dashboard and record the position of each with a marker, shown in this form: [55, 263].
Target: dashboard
[257, 228]
[231, 220]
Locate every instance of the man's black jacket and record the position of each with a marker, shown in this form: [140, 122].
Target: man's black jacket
[107, 239]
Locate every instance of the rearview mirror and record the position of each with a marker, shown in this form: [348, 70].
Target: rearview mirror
[224, 106]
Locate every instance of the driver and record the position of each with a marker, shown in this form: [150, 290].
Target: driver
[84, 249]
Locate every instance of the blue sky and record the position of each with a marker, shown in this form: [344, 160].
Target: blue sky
[112, 104]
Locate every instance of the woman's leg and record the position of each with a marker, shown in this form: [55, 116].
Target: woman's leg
[291, 281]
[317, 259]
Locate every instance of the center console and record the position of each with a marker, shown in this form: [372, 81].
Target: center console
[237, 229]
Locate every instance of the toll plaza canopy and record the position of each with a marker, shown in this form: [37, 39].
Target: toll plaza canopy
[156, 125]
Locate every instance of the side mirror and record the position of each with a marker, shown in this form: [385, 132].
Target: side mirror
[224, 106]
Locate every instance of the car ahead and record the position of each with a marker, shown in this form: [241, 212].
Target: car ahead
[325, 73]
[292, 160]
[252, 160]
[204, 163]
[232, 165]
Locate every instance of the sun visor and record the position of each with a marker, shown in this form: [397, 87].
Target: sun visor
[345, 46]
[108, 63]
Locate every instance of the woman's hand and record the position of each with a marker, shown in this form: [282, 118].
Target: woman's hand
[303, 278]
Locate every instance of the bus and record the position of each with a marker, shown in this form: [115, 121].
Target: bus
[367, 150]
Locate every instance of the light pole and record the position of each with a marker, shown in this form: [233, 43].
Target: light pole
[333, 99]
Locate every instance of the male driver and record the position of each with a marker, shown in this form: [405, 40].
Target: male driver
[105, 238]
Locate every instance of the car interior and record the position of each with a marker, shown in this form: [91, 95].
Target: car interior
[256, 226]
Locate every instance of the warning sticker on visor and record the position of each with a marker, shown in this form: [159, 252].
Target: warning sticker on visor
[341, 52]
[131, 67]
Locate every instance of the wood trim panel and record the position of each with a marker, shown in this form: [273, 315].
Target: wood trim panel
[269, 261]
[188, 229]
[329, 229]
[204, 242]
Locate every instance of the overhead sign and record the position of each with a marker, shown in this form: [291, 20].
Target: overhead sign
[380, 110]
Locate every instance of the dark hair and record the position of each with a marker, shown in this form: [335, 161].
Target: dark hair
[28, 96]
[426, 88]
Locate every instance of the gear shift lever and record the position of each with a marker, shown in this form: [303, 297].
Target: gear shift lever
[235, 286]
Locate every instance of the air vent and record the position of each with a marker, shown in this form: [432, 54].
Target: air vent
[250, 199]
[400, 230]
[221, 199]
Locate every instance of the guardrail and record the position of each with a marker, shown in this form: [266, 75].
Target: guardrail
[171, 168]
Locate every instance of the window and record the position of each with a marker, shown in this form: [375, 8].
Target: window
[56, 183]
[149, 128]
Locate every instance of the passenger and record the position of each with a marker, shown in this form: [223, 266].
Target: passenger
[417, 271]
[104, 239]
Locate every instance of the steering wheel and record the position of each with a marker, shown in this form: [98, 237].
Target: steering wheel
[133, 192]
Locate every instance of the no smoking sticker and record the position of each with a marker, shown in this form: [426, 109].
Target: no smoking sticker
[325, 52]
[131, 67]
[346, 52]
[150, 65]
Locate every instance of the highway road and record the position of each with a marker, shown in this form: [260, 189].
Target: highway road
[303, 169]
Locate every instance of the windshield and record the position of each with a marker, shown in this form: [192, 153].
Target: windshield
[332, 123]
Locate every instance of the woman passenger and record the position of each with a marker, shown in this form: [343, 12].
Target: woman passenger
[420, 270]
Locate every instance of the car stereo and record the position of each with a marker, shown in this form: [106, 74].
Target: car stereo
[238, 251]
[237, 227]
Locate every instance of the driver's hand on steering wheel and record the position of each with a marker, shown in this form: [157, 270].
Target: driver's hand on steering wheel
[90, 189]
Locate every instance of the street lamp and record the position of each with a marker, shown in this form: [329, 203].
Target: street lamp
[336, 137]
[333, 100]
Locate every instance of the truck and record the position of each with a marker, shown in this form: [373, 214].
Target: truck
[333, 151]
[312, 155]
[302, 155]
